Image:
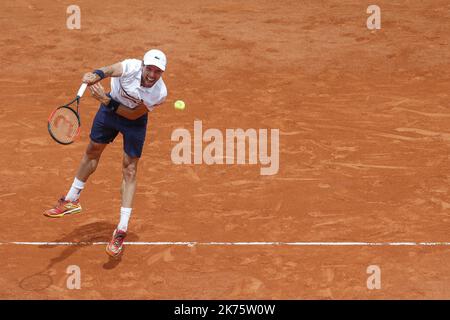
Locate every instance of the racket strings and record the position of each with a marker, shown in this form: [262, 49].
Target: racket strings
[64, 125]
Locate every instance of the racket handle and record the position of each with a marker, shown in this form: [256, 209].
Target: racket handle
[81, 90]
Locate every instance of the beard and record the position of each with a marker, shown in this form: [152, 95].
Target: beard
[147, 83]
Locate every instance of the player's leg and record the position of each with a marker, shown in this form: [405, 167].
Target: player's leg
[133, 139]
[87, 166]
[70, 203]
[129, 171]
[90, 160]
[103, 131]
[128, 189]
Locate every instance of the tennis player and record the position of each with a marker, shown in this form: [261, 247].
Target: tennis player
[136, 88]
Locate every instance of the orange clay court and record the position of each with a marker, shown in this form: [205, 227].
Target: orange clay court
[364, 151]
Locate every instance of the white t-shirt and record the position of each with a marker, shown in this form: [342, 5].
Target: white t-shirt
[127, 89]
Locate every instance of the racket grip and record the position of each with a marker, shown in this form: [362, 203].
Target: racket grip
[81, 90]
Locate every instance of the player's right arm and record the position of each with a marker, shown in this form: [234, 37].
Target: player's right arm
[114, 70]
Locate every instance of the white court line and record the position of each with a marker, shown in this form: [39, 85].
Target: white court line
[193, 243]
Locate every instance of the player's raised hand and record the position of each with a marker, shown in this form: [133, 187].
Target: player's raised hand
[91, 78]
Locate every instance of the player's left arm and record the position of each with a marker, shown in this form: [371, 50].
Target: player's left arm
[132, 114]
[137, 112]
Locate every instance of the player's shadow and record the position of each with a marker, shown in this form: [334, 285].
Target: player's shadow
[84, 236]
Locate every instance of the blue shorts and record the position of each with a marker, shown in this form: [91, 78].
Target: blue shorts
[107, 124]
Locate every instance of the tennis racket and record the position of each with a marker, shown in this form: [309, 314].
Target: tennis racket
[64, 122]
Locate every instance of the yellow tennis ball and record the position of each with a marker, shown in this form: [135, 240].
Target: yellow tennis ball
[179, 104]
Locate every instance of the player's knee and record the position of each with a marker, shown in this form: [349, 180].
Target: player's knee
[94, 151]
[129, 171]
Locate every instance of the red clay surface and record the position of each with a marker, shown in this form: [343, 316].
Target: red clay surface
[363, 118]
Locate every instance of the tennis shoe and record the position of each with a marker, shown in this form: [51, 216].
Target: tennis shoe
[62, 208]
[115, 246]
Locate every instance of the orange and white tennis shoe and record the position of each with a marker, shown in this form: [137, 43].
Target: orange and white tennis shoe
[115, 246]
[62, 208]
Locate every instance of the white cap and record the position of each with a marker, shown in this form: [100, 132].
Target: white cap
[155, 57]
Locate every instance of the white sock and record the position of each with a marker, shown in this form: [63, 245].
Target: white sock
[125, 214]
[75, 190]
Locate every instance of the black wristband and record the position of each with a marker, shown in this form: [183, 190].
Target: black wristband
[100, 73]
[113, 105]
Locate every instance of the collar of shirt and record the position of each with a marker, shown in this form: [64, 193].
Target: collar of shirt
[138, 74]
[138, 77]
